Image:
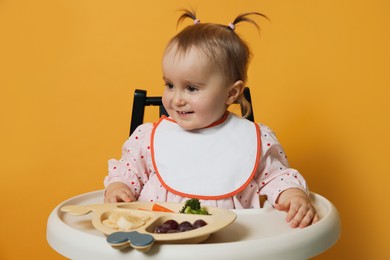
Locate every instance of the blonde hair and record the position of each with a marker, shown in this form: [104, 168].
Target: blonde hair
[221, 45]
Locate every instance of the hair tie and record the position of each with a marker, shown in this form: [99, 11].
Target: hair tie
[196, 21]
[232, 26]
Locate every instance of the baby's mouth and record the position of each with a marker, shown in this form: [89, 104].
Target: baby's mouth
[185, 112]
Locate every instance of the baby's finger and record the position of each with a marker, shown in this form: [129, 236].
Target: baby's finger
[298, 217]
[307, 219]
[130, 194]
[125, 197]
[281, 207]
[292, 212]
[111, 199]
[316, 218]
[116, 196]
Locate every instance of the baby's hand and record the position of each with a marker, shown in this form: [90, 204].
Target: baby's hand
[118, 192]
[300, 212]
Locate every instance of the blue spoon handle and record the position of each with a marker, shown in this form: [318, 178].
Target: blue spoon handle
[134, 238]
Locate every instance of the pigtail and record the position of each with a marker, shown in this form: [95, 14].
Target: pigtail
[244, 105]
[243, 18]
[187, 14]
[241, 100]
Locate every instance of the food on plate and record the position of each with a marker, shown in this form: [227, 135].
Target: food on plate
[199, 223]
[185, 226]
[192, 206]
[158, 207]
[172, 226]
[125, 221]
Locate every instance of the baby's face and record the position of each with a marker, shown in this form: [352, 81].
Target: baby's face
[195, 94]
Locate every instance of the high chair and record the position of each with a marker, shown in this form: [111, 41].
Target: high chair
[255, 233]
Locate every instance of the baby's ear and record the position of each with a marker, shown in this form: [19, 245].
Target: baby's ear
[235, 91]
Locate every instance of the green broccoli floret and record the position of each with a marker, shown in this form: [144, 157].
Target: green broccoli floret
[192, 206]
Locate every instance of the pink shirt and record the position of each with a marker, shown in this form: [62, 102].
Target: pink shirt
[136, 170]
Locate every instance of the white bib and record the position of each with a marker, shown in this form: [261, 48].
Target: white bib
[211, 163]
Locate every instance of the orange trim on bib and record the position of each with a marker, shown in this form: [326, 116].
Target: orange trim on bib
[220, 121]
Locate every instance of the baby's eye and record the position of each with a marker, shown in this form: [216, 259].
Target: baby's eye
[169, 85]
[191, 88]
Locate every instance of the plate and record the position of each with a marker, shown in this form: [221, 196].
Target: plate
[217, 220]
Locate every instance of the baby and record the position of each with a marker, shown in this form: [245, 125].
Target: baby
[201, 150]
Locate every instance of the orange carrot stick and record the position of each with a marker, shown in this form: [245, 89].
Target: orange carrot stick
[157, 207]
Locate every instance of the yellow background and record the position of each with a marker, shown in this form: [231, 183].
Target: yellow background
[68, 68]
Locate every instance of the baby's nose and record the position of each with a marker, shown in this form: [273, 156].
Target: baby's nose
[178, 98]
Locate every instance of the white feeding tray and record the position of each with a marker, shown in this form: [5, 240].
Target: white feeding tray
[254, 234]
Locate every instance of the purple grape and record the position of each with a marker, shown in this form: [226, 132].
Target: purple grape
[199, 223]
[185, 229]
[171, 223]
[161, 229]
[185, 226]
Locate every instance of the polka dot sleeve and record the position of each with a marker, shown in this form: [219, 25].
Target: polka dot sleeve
[132, 169]
[275, 173]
